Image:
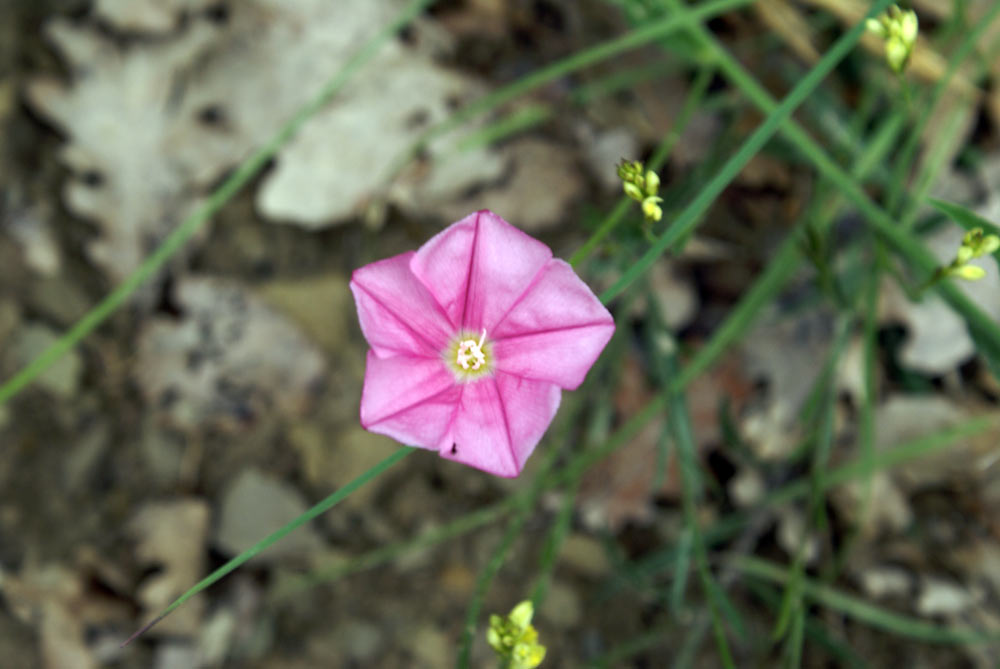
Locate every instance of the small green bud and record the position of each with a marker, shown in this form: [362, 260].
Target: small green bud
[964, 255]
[967, 272]
[876, 27]
[979, 244]
[899, 29]
[990, 244]
[972, 237]
[652, 182]
[908, 27]
[896, 54]
[633, 191]
[641, 185]
[514, 639]
[521, 614]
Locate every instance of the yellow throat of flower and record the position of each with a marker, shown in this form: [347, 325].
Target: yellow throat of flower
[469, 357]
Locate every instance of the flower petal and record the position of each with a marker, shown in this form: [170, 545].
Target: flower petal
[478, 267]
[499, 422]
[555, 331]
[397, 314]
[412, 400]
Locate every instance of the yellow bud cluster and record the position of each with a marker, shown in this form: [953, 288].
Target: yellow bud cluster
[899, 30]
[642, 185]
[975, 244]
[514, 638]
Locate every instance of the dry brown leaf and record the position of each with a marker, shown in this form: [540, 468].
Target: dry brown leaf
[171, 536]
[787, 354]
[57, 602]
[786, 20]
[121, 121]
[226, 361]
[621, 488]
[538, 192]
[903, 418]
[148, 16]
[153, 125]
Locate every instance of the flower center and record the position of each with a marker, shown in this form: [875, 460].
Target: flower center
[470, 353]
[469, 356]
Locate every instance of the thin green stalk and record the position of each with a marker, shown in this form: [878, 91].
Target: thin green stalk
[659, 157]
[553, 543]
[937, 158]
[525, 504]
[863, 611]
[908, 154]
[842, 653]
[190, 226]
[778, 117]
[534, 114]
[680, 426]
[483, 585]
[262, 545]
[634, 646]
[791, 615]
[384, 554]
[867, 434]
[908, 451]
[562, 68]
[907, 246]
[682, 568]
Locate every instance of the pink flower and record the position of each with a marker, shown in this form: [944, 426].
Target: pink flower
[472, 338]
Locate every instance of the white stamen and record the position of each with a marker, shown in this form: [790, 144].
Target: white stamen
[472, 350]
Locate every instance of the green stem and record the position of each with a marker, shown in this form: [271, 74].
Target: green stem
[980, 325]
[778, 118]
[659, 157]
[316, 511]
[863, 611]
[568, 65]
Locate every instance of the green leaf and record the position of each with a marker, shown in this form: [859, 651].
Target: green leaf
[864, 612]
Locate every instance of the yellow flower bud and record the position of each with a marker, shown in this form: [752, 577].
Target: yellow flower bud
[651, 208]
[964, 255]
[876, 27]
[990, 244]
[652, 182]
[896, 54]
[968, 272]
[521, 614]
[908, 27]
[632, 191]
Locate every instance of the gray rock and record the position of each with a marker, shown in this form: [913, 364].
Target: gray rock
[62, 378]
[256, 505]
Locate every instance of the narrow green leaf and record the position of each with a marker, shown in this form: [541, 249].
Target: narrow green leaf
[320, 508]
[862, 611]
[777, 116]
[967, 218]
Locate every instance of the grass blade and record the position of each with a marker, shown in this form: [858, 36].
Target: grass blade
[863, 611]
[778, 115]
[320, 508]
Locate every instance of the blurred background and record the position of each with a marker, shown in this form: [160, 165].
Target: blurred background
[836, 505]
